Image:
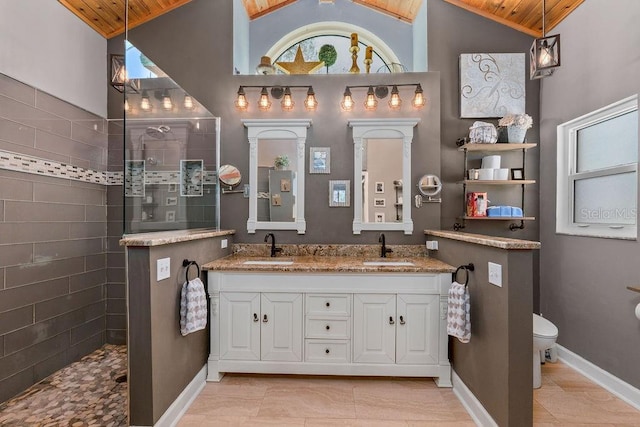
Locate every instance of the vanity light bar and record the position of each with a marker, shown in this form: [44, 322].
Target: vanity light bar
[380, 92]
[277, 92]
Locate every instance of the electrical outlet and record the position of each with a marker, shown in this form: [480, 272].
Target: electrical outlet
[495, 274]
[163, 269]
[432, 245]
[224, 243]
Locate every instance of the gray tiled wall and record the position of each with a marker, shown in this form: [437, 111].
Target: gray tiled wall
[54, 253]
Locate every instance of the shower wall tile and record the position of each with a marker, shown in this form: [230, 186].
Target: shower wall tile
[30, 116]
[30, 294]
[53, 230]
[17, 90]
[17, 133]
[65, 323]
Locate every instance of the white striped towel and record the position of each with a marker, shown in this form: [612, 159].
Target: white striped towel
[458, 308]
[193, 307]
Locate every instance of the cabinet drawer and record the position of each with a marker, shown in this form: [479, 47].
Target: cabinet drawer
[338, 305]
[327, 351]
[326, 327]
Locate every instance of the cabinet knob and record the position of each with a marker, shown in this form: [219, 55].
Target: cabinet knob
[402, 322]
[327, 351]
[328, 327]
[255, 317]
[264, 319]
[391, 322]
[328, 304]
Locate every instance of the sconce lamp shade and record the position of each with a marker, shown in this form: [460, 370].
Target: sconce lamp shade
[264, 104]
[311, 103]
[395, 102]
[145, 102]
[347, 101]
[167, 103]
[371, 103]
[544, 56]
[287, 102]
[419, 100]
[241, 100]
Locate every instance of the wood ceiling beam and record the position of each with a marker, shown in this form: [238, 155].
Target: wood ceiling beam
[500, 20]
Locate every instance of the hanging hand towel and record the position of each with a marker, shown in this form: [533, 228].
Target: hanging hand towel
[458, 308]
[193, 307]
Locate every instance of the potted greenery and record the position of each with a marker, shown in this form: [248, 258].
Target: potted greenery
[517, 125]
[281, 162]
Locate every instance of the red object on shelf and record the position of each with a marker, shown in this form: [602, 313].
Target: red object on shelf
[476, 204]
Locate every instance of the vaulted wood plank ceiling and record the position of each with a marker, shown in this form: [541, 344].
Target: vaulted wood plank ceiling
[107, 16]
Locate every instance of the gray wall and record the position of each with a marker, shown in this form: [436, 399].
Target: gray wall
[184, 51]
[52, 230]
[496, 364]
[161, 361]
[583, 279]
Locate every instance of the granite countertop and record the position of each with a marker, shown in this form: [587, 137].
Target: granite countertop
[159, 238]
[328, 264]
[481, 239]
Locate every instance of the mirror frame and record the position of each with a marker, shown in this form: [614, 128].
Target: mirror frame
[269, 129]
[382, 129]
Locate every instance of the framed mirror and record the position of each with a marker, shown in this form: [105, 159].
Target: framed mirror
[276, 174]
[382, 166]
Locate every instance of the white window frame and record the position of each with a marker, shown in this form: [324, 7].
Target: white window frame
[566, 174]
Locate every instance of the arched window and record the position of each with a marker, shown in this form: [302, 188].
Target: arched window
[338, 34]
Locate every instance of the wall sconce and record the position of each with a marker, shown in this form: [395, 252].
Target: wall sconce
[145, 102]
[544, 55]
[277, 92]
[167, 103]
[119, 79]
[188, 102]
[380, 92]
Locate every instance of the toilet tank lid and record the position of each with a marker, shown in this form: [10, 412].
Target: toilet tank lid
[543, 328]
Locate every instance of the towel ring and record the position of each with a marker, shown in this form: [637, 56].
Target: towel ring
[467, 268]
[187, 264]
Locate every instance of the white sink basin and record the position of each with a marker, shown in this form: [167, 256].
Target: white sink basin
[389, 263]
[268, 262]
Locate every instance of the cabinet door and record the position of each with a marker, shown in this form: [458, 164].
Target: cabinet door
[374, 328]
[281, 334]
[417, 329]
[240, 325]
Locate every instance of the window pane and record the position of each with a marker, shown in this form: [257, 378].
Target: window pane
[606, 200]
[610, 143]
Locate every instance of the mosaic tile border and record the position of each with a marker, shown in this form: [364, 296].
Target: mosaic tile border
[34, 165]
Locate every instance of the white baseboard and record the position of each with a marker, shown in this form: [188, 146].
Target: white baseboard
[604, 379]
[179, 406]
[473, 406]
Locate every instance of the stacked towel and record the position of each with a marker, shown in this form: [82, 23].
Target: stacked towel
[458, 319]
[193, 307]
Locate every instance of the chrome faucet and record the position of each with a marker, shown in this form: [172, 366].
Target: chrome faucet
[383, 249]
[274, 250]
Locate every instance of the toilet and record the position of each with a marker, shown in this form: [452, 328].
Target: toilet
[545, 334]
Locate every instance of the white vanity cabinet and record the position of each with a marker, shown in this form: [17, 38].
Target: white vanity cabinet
[261, 326]
[395, 328]
[389, 324]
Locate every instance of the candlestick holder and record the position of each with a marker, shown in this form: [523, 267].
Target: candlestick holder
[354, 58]
[367, 65]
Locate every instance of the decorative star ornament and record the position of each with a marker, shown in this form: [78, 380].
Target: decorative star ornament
[299, 65]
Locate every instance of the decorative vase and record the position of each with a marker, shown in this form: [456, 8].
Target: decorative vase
[516, 134]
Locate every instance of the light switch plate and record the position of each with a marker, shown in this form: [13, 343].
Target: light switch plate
[495, 274]
[163, 269]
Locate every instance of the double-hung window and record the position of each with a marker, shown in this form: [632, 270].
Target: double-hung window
[597, 181]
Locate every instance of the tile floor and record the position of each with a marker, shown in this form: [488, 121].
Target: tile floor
[86, 394]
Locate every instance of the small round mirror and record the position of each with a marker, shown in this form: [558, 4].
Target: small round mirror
[430, 185]
[229, 175]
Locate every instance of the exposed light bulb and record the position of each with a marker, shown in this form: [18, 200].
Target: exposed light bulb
[145, 103]
[167, 103]
[127, 107]
[371, 103]
[241, 100]
[264, 104]
[188, 102]
[419, 100]
[395, 102]
[347, 101]
[311, 103]
[287, 102]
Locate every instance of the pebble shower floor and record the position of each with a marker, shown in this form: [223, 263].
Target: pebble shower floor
[85, 393]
